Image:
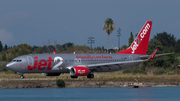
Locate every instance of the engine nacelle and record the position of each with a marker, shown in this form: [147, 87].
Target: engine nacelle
[79, 71]
[51, 74]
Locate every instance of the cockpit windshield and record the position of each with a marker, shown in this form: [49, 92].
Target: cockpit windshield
[16, 60]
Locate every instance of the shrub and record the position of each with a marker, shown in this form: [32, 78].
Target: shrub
[9, 72]
[159, 71]
[128, 70]
[60, 83]
[134, 70]
[139, 71]
[3, 66]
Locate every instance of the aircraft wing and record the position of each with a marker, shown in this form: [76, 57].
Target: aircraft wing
[147, 56]
[91, 66]
[113, 63]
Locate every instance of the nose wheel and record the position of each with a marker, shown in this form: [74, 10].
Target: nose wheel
[22, 76]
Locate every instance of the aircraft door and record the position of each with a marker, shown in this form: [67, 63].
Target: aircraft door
[30, 61]
[131, 58]
[77, 61]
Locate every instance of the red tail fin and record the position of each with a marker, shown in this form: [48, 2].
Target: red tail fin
[140, 44]
[54, 52]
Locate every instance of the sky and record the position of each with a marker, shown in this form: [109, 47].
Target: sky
[38, 22]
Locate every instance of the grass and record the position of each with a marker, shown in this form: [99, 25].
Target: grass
[37, 80]
[118, 75]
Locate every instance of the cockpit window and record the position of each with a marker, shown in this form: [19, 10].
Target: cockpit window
[17, 60]
[14, 60]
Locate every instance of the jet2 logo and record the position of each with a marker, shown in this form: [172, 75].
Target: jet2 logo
[44, 64]
[138, 40]
[136, 44]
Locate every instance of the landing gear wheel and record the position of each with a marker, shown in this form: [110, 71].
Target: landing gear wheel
[22, 76]
[90, 76]
[74, 76]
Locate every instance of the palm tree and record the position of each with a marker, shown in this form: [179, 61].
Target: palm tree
[109, 26]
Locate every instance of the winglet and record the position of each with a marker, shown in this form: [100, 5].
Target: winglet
[54, 52]
[153, 54]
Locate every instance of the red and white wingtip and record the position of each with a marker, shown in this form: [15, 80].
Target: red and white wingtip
[153, 54]
[54, 52]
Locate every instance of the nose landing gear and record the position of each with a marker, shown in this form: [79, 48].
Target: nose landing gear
[22, 76]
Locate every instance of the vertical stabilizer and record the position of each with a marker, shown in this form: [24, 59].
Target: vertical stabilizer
[54, 52]
[140, 44]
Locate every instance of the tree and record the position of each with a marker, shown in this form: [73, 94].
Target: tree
[103, 48]
[166, 39]
[124, 47]
[97, 48]
[136, 35]
[78, 49]
[5, 47]
[177, 46]
[1, 46]
[161, 40]
[109, 27]
[37, 51]
[131, 38]
[3, 56]
[153, 44]
[22, 49]
[67, 45]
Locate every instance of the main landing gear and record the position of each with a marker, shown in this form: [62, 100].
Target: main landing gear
[74, 76]
[90, 76]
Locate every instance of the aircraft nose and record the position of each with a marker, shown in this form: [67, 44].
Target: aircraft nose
[9, 65]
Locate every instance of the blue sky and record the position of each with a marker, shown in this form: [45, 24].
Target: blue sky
[36, 21]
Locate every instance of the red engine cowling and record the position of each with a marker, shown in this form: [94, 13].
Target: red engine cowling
[79, 71]
[51, 74]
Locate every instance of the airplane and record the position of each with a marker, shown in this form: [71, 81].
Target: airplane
[86, 64]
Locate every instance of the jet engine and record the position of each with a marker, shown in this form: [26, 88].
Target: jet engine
[79, 71]
[51, 74]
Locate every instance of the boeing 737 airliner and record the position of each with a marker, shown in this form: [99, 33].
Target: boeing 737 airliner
[85, 64]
